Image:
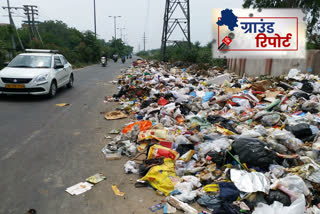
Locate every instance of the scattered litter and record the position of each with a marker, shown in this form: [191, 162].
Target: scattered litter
[96, 178]
[115, 131]
[117, 191]
[115, 115]
[63, 104]
[156, 207]
[232, 144]
[79, 188]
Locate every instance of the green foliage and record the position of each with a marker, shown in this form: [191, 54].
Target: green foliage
[80, 48]
[181, 52]
[310, 7]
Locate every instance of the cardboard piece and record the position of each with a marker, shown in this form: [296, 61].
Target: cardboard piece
[79, 188]
[115, 115]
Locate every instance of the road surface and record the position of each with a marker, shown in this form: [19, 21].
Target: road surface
[45, 149]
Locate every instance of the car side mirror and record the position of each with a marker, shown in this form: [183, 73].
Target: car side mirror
[5, 64]
[58, 66]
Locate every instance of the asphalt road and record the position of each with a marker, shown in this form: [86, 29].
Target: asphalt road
[45, 149]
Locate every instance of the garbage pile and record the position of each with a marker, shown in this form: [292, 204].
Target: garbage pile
[233, 145]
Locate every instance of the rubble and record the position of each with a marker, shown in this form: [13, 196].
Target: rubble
[234, 145]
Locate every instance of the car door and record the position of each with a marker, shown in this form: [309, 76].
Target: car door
[67, 70]
[60, 72]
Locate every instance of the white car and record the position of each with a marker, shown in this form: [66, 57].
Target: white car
[36, 72]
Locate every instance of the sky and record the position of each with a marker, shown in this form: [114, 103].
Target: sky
[138, 16]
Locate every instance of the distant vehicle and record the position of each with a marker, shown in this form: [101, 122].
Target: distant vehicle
[130, 56]
[103, 61]
[36, 72]
[115, 57]
[123, 59]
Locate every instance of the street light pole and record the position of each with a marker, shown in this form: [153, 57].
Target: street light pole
[115, 25]
[95, 20]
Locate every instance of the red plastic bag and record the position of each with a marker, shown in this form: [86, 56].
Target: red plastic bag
[144, 125]
[162, 101]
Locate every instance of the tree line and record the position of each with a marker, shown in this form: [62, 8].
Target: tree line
[80, 48]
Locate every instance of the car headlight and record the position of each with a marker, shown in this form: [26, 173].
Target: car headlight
[42, 78]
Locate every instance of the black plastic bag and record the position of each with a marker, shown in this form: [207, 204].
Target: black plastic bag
[301, 94]
[300, 131]
[307, 86]
[184, 148]
[254, 152]
[146, 103]
[224, 122]
[217, 157]
[277, 195]
[227, 208]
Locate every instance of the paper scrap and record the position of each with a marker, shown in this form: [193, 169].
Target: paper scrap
[79, 188]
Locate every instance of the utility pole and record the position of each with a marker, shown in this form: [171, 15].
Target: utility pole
[95, 20]
[144, 41]
[12, 26]
[170, 24]
[27, 13]
[31, 11]
[115, 25]
[121, 28]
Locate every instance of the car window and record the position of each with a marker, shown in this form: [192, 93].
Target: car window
[63, 60]
[31, 61]
[57, 61]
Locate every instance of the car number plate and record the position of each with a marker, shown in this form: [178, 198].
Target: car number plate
[14, 86]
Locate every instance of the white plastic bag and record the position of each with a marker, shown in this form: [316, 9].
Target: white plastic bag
[297, 207]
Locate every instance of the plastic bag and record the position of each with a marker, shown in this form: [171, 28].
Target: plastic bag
[297, 207]
[158, 151]
[130, 167]
[293, 183]
[162, 101]
[158, 134]
[143, 125]
[187, 156]
[250, 181]
[253, 152]
[215, 145]
[270, 120]
[163, 177]
[207, 96]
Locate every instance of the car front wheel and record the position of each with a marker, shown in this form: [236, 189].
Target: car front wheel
[70, 83]
[53, 89]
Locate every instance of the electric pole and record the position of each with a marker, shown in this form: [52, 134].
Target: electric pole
[27, 13]
[115, 25]
[95, 20]
[170, 24]
[12, 26]
[31, 11]
[121, 28]
[144, 41]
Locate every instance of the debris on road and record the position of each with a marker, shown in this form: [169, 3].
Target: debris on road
[96, 178]
[63, 104]
[115, 115]
[117, 191]
[234, 145]
[79, 188]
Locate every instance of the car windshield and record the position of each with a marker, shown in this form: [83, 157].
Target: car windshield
[29, 61]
